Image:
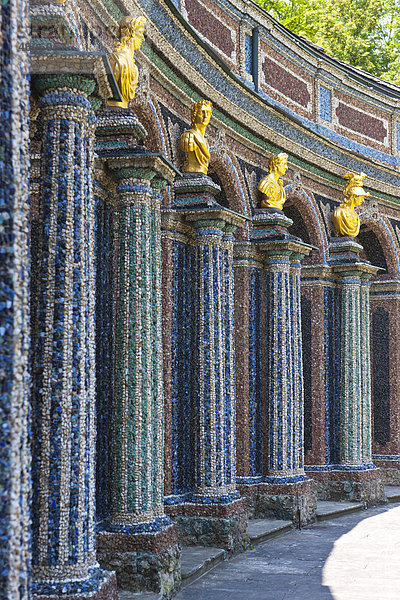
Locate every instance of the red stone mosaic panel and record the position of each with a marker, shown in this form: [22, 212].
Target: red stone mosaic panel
[212, 28]
[286, 83]
[361, 122]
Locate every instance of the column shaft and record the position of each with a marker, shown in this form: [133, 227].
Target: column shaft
[284, 369]
[355, 447]
[138, 433]
[215, 406]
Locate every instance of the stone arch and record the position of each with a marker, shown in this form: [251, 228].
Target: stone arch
[308, 222]
[381, 246]
[226, 171]
[149, 115]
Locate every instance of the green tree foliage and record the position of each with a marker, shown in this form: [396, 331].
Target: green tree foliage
[364, 33]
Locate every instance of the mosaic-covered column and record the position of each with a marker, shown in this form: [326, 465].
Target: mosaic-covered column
[64, 553]
[249, 359]
[284, 364]
[213, 510]
[15, 455]
[355, 477]
[286, 490]
[385, 364]
[138, 539]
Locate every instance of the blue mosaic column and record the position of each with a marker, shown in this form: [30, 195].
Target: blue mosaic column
[284, 366]
[215, 397]
[64, 552]
[15, 484]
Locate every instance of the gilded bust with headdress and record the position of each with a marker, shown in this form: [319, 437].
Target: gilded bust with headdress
[345, 219]
[131, 36]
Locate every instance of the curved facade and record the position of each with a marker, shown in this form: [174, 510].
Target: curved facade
[195, 360]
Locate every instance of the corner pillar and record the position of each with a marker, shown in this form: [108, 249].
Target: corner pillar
[285, 490]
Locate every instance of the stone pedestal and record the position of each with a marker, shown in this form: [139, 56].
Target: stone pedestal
[354, 476]
[63, 466]
[212, 512]
[137, 540]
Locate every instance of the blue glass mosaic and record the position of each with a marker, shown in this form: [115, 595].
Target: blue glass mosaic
[183, 375]
[248, 54]
[332, 352]
[325, 103]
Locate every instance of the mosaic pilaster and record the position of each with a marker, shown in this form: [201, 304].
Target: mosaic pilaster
[64, 553]
[285, 491]
[348, 472]
[15, 459]
[213, 504]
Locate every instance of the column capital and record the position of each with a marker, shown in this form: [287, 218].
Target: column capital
[65, 68]
[149, 166]
[206, 218]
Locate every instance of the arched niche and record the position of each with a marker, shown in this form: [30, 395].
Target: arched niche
[224, 171]
[380, 247]
[148, 115]
[307, 223]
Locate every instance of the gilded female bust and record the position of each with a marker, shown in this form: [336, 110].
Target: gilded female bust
[271, 186]
[345, 219]
[131, 36]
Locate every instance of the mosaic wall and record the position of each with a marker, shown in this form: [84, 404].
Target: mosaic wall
[15, 487]
[195, 331]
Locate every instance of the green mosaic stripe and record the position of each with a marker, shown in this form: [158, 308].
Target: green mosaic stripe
[146, 365]
[134, 325]
[113, 10]
[119, 358]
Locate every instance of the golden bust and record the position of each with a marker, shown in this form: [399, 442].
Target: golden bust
[271, 186]
[345, 219]
[193, 141]
[131, 36]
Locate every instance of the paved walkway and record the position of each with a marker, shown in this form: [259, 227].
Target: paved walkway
[354, 557]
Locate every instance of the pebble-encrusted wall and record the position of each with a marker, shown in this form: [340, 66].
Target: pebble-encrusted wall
[226, 349]
[15, 478]
[15, 486]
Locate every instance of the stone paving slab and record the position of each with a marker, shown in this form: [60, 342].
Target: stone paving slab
[126, 595]
[196, 560]
[260, 530]
[392, 493]
[355, 557]
[331, 510]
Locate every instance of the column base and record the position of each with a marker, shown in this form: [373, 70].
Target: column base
[223, 525]
[389, 466]
[295, 501]
[143, 561]
[105, 588]
[350, 483]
